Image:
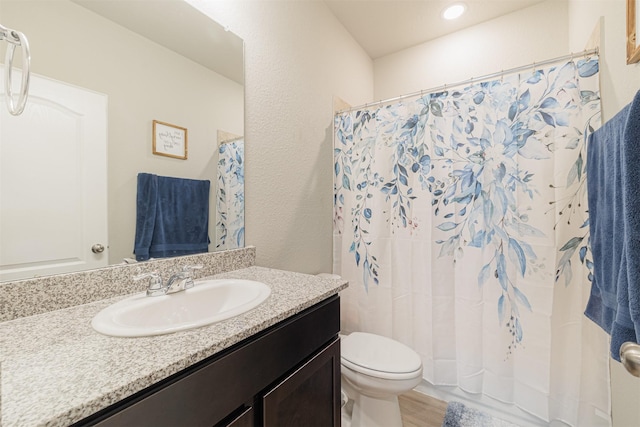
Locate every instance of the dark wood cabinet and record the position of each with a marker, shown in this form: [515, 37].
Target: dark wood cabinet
[286, 375]
[246, 418]
[315, 386]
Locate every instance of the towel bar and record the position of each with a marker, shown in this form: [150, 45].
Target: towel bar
[630, 357]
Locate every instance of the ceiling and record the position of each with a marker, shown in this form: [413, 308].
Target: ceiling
[382, 27]
[178, 26]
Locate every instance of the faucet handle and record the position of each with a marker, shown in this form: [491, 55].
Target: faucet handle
[155, 286]
[188, 271]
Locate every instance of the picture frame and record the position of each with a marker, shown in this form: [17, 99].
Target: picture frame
[170, 140]
[633, 28]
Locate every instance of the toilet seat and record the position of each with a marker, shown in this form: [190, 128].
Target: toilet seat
[379, 357]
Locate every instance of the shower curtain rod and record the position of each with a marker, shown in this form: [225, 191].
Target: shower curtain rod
[473, 80]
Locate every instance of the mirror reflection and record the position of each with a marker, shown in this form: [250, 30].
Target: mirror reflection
[230, 192]
[102, 72]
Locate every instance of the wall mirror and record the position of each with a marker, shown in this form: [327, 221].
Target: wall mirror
[149, 60]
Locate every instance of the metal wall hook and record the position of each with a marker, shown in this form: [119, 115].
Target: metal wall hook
[9, 35]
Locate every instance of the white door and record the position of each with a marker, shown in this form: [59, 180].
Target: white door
[53, 175]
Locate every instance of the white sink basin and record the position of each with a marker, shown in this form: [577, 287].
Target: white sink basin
[207, 302]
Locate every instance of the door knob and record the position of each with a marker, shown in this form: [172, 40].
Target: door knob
[97, 248]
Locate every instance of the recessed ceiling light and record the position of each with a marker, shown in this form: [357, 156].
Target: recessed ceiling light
[454, 11]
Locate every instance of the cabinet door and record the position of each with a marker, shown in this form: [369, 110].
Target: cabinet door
[308, 397]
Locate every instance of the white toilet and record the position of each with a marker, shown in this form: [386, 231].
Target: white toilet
[375, 370]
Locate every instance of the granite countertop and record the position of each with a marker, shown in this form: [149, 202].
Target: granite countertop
[56, 370]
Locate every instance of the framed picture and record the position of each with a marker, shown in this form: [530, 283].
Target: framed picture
[169, 140]
[633, 27]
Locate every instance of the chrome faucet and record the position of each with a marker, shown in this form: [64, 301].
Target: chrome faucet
[176, 283]
[155, 286]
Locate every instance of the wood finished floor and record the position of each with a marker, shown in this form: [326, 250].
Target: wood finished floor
[420, 410]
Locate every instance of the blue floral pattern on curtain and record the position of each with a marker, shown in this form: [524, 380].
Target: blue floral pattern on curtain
[230, 196]
[470, 155]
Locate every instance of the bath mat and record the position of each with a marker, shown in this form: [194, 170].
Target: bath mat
[460, 415]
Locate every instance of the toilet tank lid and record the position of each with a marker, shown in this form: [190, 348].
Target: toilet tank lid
[379, 353]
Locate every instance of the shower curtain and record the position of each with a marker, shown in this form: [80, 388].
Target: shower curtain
[230, 196]
[461, 223]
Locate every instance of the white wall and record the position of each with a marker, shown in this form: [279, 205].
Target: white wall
[533, 34]
[144, 82]
[619, 83]
[297, 57]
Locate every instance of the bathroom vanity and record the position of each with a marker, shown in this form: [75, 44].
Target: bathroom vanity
[276, 365]
[287, 375]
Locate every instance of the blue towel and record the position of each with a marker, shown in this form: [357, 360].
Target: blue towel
[613, 183]
[172, 217]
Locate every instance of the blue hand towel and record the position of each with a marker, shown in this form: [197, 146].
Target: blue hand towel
[631, 198]
[613, 183]
[172, 217]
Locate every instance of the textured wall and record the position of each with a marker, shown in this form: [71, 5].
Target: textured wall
[297, 57]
